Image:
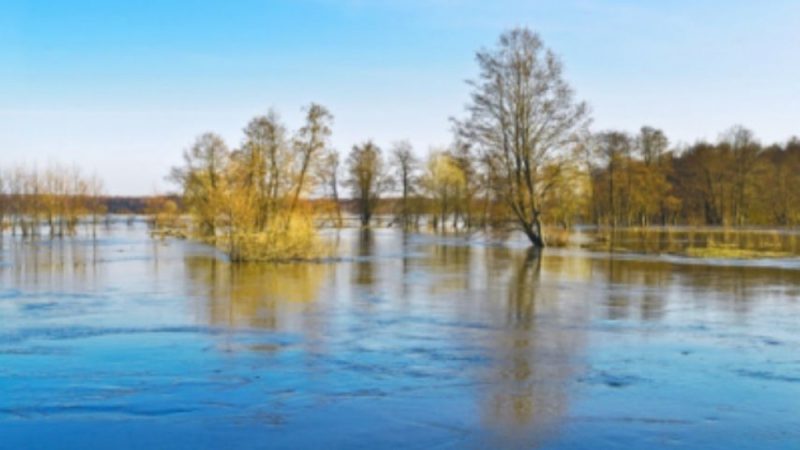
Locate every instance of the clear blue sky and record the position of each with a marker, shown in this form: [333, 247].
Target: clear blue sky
[122, 87]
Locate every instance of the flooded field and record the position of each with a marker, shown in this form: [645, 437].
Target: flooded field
[412, 341]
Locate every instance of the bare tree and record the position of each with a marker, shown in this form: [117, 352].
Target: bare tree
[523, 117]
[310, 141]
[652, 143]
[202, 178]
[264, 165]
[367, 178]
[406, 165]
[745, 151]
[445, 182]
[612, 149]
[329, 176]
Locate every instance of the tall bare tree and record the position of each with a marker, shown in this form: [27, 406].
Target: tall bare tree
[310, 142]
[524, 118]
[745, 151]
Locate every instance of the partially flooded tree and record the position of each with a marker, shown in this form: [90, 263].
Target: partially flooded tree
[463, 156]
[406, 165]
[329, 177]
[523, 117]
[97, 208]
[445, 183]
[55, 201]
[163, 213]
[248, 201]
[203, 180]
[263, 166]
[366, 178]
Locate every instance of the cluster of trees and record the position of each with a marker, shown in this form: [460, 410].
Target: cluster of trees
[510, 162]
[249, 200]
[514, 155]
[522, 156]
[739, 182]
[734, 182]
[51, 202]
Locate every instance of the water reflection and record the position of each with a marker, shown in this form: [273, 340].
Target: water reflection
[50, 264]
[252, 295]
[535, 357]
[364, 273]
[410, 339]
[528, 314]
[679, 240]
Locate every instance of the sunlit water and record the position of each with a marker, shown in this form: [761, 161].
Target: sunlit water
[412, 341]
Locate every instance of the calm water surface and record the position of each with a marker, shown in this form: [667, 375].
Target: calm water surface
[413, 341]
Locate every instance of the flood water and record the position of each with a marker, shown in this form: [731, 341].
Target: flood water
[411, 341]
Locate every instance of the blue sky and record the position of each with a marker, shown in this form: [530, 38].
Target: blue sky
[122, 87]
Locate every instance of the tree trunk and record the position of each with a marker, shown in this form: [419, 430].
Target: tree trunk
[534, 232]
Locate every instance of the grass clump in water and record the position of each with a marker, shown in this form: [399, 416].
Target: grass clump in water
[728, 252]
[293, 239]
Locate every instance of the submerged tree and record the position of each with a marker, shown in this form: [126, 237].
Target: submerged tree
[54, 201]
[202, 179]
[366, 178]
[523, 117]
[405, 165]
[263, 166]
[328, 174]
[249, 201]
[445, 183]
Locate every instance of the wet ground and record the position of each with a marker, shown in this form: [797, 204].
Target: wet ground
[413, 341]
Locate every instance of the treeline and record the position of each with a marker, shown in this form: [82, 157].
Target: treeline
[51, 202]
[137, 205]
[613, 179]
[736, 181]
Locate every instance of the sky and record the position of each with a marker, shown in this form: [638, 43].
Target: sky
[121, 88]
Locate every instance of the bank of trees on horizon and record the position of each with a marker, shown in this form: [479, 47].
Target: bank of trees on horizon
[53, 201]
[639, 180]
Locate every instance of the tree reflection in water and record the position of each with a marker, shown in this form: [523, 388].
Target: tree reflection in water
[496, 337]
[254, 295]
[534, 353]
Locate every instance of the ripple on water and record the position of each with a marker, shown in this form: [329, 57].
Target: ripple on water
[766, 375]
[69, 333]
[32, 412]
[612, 380]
